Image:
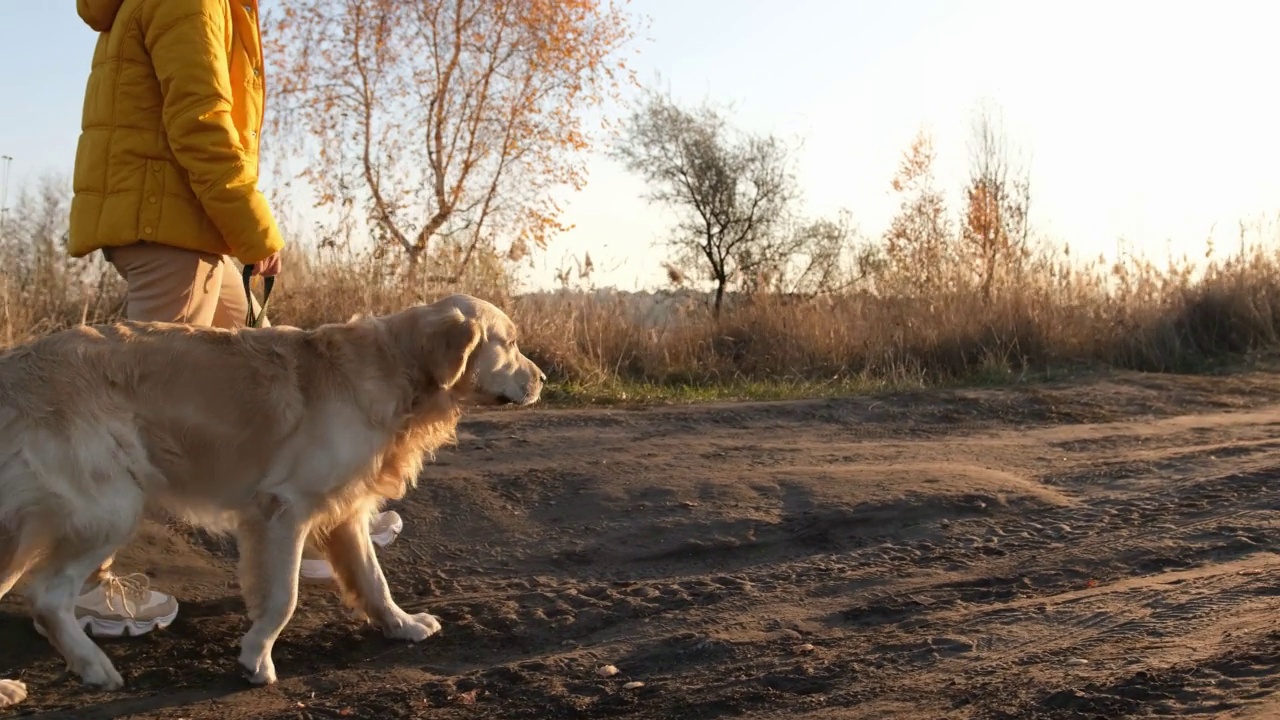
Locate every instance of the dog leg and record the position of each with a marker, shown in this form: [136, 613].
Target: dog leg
[355, 563]
[53, 590]
[249, 567]
[276, 559]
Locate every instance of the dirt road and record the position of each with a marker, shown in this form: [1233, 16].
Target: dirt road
[1081, 550]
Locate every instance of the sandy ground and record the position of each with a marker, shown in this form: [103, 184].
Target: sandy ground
[1086, 550]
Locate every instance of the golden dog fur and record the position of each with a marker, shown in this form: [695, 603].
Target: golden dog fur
[280, 435]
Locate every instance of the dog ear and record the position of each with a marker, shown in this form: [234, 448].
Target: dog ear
[449, 340]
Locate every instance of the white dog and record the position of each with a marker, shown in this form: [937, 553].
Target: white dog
[277, 434]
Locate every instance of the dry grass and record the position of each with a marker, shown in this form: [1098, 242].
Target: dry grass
[1047, 315]
[1132, 316]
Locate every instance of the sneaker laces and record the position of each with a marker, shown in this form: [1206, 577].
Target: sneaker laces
[134, 586]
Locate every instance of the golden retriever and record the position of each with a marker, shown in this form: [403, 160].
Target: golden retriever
[278, 434]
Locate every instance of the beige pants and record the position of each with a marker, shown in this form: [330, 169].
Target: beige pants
[170, 284]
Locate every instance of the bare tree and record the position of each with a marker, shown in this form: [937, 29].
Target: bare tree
[733, 193]
[996, 226]
[42, 287]
[448, 122]
[815, 258]
[34, 249]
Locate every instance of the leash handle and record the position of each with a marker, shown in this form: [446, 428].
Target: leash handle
[253, 319]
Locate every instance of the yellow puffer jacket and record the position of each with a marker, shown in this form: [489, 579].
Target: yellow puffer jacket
[168, 148]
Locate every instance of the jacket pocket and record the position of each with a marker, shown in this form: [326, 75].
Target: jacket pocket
[152, 198]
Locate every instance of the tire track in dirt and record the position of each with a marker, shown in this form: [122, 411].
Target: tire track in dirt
[1148, 609]
[1097, 625]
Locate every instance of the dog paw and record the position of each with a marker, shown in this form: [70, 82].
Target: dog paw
[258, 670]
[101, 674]
[12, 692]
[414, 628]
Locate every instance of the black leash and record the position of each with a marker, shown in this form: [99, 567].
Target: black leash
[253, 319]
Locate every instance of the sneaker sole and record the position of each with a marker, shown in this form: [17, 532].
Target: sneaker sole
[102, 628]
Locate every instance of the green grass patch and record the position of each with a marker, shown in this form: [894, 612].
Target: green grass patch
[621, 392]
[624, 392]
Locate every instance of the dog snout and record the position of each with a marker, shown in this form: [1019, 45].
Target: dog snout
[537, 382]
[535, 371]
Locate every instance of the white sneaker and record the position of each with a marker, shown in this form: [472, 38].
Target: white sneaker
[383, 530]
[120, 606]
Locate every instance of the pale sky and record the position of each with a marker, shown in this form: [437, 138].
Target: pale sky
[1152, 121]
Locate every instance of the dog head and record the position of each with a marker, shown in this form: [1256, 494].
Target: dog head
[471, 351]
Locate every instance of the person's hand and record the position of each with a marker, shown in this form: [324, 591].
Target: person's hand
[268, 266]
